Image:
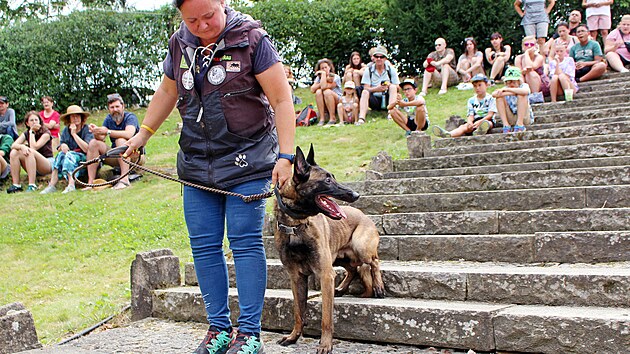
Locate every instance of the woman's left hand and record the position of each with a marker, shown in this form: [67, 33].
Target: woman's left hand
[281, 172]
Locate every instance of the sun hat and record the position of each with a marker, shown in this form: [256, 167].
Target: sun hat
[409, 81]
[349, 84]
[512, 73]
[479, 77]
[380, 50]
[74, 109]
[430, 68]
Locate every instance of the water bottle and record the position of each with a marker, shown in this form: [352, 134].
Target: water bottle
[383, 102]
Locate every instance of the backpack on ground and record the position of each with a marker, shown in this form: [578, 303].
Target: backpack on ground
[306, 117]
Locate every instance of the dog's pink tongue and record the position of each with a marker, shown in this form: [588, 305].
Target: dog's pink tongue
[332, 207]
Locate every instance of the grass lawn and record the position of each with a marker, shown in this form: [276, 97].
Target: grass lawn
[67, 257]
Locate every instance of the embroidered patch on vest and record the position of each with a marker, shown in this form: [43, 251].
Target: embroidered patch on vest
[233, 66]
[226, 57]
[183, 64]
[241, 161]
[216, 75]
[188, 81]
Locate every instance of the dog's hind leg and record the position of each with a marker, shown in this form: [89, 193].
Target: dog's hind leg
[299, 286]
[351, 273]
[377, 279]
[366, 279]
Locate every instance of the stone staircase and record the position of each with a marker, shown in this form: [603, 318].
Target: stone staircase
[511, 243]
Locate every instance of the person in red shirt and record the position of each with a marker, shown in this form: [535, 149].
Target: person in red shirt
[50, 117]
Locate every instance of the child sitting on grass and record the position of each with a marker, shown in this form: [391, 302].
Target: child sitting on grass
[348, 107]
[512, 103]
[413, 112]
[481, 110]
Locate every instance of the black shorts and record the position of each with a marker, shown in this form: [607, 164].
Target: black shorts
[624, 61]
[581, 72]
[376, 102]
[411, 124]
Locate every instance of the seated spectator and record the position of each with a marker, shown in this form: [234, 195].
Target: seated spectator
[481, 110]
[119, 126]
[50, 117]
[74, 142]
[598, 17]
[617, 46]
[439, 68]
[512, 102]
[535, 18]
[7, 119]
[380, 85]
[498, 55]
[531, 63]
[470, 62]
[412, 111]
[33, 152]
[5, 149]
[588, 57]
[563, 37]
[354, 70]
[327, 90]
[562, 73]
[348, 107]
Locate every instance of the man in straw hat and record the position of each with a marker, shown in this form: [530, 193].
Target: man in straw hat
[74, 141]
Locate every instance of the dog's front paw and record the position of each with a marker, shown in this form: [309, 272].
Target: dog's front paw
[287, 340]
[324, 349]
[379, 292]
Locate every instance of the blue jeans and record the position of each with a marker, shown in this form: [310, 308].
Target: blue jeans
[207, 216]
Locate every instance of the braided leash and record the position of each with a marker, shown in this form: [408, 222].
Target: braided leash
[117, 152]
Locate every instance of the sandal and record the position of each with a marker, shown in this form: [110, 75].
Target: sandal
[361, 121]
[117, 186]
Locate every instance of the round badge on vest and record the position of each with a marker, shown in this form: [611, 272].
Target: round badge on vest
[216, 75]
[188, 81]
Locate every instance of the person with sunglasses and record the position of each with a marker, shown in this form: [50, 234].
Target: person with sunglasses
[531, 64]
[588, 56]
[439, 68]
[380, 85]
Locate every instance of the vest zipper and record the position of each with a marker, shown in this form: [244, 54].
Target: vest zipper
[235, 93]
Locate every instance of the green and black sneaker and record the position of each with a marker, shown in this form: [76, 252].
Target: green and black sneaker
[246, 344]
[216, 342]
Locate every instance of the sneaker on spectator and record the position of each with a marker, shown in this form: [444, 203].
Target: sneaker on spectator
[440, 132]
[507, 129]
[49, 189]
[6, 172]
[519, 128]
[14, 189]
[69, 189]
[216, 342]
[483, 128]
[243, 343]
[31, 188]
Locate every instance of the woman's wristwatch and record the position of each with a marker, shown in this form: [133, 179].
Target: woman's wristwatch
[289, 157]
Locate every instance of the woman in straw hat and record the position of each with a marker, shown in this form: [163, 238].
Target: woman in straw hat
[72, 149]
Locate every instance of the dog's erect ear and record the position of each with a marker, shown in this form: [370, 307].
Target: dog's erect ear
[311, 156]
[301, 168]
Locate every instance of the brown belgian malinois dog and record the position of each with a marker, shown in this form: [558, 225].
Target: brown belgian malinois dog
[314, 234]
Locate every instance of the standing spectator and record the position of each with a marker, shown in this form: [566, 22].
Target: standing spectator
[33, 152]
[498, 55]
[531, 64]
[380, 84]
[354, 70]
[119, 126]
[512, 102]
[412, 113]
[618, 46]
[598, 17]
[481, 109]
[50, 117]
[348, 107]
[439, 68]
[7, 119]
[562, 73]
[327, 90]
[535, 17]
[5, 149]
[74, 140]
[588, 57]
[470, 62]
[563, 37]
[575, 19]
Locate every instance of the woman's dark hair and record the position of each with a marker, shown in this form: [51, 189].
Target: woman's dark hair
[352, 56]
[32, 113]
[496, 35]
[562, 24]
[469, 39]
[327, 61]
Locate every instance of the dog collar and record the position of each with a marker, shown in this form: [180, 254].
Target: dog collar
[284, 208]
[289, 230]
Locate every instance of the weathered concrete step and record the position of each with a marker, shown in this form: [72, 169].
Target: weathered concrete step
[594, 125]
[541, 247]
[601, 91]
[584, 103]
[502, 222]
[604, 82]
[478, 170]
[516, 199]
[596, 128]
[460, 324]
[533, 144]
[570, 177]
[581, 114]
[575, 284]
[579, 151]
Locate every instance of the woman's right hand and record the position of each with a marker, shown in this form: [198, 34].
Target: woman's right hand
[137, 141]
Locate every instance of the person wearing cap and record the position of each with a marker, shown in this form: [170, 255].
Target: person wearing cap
[481, 111]
[327, 90]
[588, 56]
[412, 113]
[7, 119]
[348, 107]
[439, 68]
[119, 126]
[380, 84]
[74, 142]
[512, 102]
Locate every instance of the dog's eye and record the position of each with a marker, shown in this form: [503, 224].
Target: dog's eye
[328, 180]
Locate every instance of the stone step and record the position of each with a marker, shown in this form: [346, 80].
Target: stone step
[534, 143]
[541, 247]
[478, 170]
[585, 103]
[579, 151]
[581, 285]
[583, 114]
[480, 326]
[502, 222]
[602, 83]
[562, 130]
